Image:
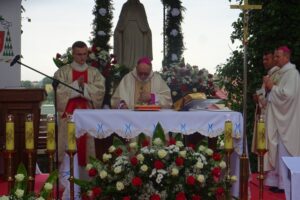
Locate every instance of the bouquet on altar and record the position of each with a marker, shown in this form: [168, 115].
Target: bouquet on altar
[163, 170]
[101, 59]
[185, 79]
[19, 191]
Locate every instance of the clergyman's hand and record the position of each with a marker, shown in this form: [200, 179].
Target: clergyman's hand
[80, 81]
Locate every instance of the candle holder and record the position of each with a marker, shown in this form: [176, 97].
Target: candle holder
[261, 176]
[10, 174]
[71, 154]
[30, 154]
[228, 153]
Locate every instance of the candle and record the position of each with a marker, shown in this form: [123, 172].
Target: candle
[228, 144]
[71, 135]
[10, 134]
[50, 133]
[260, 135]
[29, 133]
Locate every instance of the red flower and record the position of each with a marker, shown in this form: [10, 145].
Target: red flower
[196, 197]
[119, 151]
[155, 197]
[92, 172]
[58, 56]
[179, 161]
[136, 181]
[158, 164]
[84, 196]
[217, 156]
[96, 191]
[94, 48]
[95, 64]
[216, 172]
[145, 143]
[190, 180]
[184, 88]
[172, 141]
[114, 61]
[192, 146]
[134, 161]
[126, 198]
[220, 191]
[180, 196]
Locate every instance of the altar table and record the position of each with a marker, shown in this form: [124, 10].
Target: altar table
[291, 186]
[129, 124]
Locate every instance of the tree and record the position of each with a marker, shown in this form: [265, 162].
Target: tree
[275, 25]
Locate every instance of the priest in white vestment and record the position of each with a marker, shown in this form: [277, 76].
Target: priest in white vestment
[142, 86]
[92, 84]
[282, 116]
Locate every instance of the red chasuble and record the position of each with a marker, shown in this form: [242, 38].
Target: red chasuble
[79, 103]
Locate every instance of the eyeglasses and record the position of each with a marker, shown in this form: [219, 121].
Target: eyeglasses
[143, 73]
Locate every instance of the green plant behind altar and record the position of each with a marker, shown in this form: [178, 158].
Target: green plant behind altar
[157, 169]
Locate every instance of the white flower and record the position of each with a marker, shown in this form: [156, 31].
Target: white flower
[174, 57]
[174, 172]
[90, 193]
[101, 33]
[92, 56]
[106, 157]
[174, 32]
[222, 164]
[118, 170]
[88, 166]
[140, 157]
[175, 12]
[4, 198]
[199, 165]
[179, 144]
[182, 154]
[19, 177]
[209, 151]
[19, 193]
[233, 178]
[174, 93]
[162, 153]
[40, 198]
[157, 141]
[133, 145]
[200, 178]
[194, 89]
[159, 178]
[144, 168]
[111, 149]
[119, 186]
[102, 11]
[103, 174]
[48, 186]
[201, 148]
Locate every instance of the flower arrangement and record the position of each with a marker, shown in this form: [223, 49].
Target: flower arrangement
[20, 187]
[184, 79]
[165, 170]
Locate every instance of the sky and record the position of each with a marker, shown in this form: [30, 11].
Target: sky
[56, 24]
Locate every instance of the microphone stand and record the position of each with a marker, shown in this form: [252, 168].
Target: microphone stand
[55, 83]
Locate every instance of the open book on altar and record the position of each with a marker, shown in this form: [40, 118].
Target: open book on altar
[200, 104]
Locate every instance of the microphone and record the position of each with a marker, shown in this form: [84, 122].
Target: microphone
[15, 60]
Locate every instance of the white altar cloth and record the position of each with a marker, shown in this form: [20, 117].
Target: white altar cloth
[129, 124]
[291, 186]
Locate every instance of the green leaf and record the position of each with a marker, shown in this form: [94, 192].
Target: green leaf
[117, 142]
[159, 133]
[51, 179]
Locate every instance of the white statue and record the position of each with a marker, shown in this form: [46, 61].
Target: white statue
[132, 36]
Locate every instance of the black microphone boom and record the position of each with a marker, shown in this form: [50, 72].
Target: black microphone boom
[15, 60]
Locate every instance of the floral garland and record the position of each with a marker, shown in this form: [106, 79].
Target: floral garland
[173, 33]
[165, 170]
[102, 24]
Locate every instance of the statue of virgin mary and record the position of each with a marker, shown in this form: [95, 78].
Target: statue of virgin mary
[132, 36]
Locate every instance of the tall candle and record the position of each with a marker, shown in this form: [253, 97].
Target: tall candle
[71, 136]
[29, 133]
[228, 144]
[50, 133]
[260, 135]
[10, 134]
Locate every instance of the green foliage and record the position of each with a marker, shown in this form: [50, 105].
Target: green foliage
[102, 24]
[173, 32]
[159, 133]
[275, 25]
